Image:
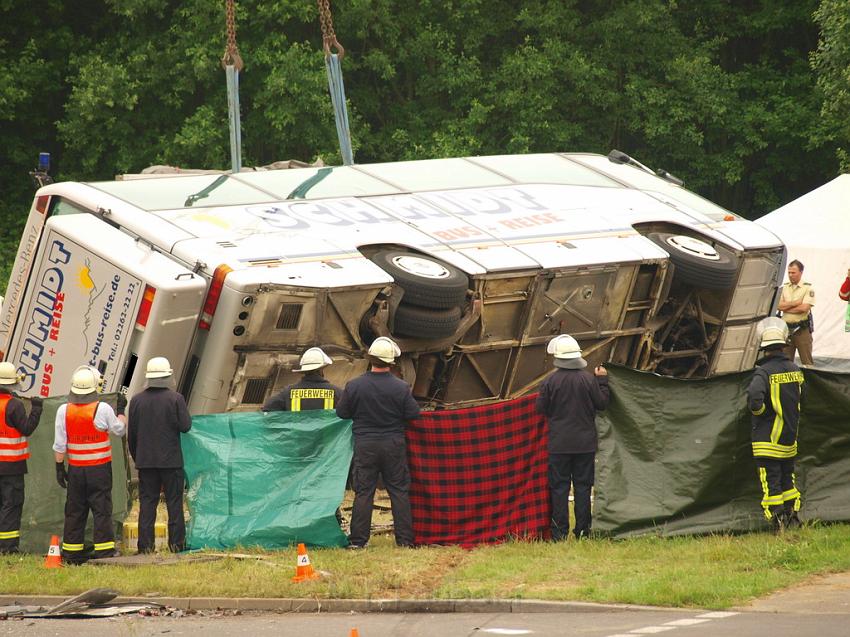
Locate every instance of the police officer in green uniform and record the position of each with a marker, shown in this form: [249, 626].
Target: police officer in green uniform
[313, 391]
[773, 397]
[798, 298]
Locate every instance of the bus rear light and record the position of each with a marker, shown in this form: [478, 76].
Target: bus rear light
[41, 203]
[145, 308]
[213, 295]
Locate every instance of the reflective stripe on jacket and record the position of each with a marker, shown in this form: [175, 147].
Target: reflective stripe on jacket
[774, 401]
[13, 446]
[87, 445]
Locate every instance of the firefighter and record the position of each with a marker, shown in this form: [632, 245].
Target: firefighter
[774, 400]
[157, 417]
[379, 404]
[313, 391]
[83, 426]
[569, 399]
[15, 426]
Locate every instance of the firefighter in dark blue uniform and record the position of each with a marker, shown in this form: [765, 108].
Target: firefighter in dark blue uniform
[313, 391]
[774, 400]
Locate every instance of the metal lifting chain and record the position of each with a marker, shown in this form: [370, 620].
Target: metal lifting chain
[232, 63]
[328, 35]
[231, 53]
[335, 83]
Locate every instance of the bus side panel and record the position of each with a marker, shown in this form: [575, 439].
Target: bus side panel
[79, 309]
[19, 276]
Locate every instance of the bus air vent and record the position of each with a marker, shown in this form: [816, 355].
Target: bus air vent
[289, 317]
[255, 391]
[226, 244]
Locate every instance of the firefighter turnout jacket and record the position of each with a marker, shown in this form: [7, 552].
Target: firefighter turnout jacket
[314, 391]
[15, 426]
[774, 400]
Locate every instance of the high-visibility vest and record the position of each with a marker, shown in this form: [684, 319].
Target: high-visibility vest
[87, 445]
[13, 446]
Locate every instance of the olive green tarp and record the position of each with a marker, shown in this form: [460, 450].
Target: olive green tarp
[675, 456]
[266, 479]
[44, 506]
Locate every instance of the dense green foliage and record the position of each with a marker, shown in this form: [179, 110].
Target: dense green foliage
[746, 101]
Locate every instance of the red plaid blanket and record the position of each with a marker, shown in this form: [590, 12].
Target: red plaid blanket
[479, 475]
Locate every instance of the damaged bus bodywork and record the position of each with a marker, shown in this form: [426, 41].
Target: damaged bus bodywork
[470, 264]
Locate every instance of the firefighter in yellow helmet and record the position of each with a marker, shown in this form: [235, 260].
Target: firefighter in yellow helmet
[83, 426]
[15, 427]
[774, 401]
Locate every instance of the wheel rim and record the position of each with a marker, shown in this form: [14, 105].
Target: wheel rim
[694, 247]
[418, 266]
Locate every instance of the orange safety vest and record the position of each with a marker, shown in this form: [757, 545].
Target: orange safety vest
[13, 446]
[87, 445]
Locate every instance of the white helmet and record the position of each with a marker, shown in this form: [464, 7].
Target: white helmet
[8, 374]
[774, 331]
[313, 358]
[564, 346]
[384, 349]
[158, 367]
[85, 380]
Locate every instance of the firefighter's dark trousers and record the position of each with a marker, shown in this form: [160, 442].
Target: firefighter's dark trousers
[778, 485]
[89, 489]
[11, 506]
[151, 483]
[387, 457]
[565, 469]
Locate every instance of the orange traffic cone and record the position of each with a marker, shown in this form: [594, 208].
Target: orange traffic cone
[303, 568]
[53, 559]
[354, 633]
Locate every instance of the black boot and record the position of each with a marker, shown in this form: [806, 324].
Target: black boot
[780, 521]
[792, 521]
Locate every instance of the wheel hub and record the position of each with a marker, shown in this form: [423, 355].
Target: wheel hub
[694, 247]
[420, 267]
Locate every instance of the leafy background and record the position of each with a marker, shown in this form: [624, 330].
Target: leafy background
[749, 101]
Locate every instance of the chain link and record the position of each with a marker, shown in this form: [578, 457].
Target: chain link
[329, 40]
[231, 53]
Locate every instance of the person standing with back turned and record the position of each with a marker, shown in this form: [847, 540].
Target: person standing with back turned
[570, 398]
[773, 397]
[15, 427]
[82, 431]
[158, 415]
[379, 404]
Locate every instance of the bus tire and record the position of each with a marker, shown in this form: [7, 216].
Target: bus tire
[423, 322]
[426, 282]
[698, 262]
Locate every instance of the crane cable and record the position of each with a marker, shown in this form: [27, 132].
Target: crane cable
[232, 64]
[335, 83]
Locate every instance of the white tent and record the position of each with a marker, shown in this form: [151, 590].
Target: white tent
[816, 230]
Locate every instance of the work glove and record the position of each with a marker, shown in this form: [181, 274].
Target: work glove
[120, 404]
[61, 475]
[37, 402]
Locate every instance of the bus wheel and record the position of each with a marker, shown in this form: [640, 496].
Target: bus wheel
[422, 322]
[427, 282]
[697, 262]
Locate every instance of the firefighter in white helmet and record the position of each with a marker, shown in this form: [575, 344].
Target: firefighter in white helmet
[313, 391]
[380, 406]
[570, 398]
[83, 426]
[773, 397]
[156, 418]
[15, 427]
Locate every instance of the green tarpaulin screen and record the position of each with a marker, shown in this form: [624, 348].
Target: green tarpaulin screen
[266, 480]
[675, 456]
[44, 507]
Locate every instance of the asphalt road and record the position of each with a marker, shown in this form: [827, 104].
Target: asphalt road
[585, 624]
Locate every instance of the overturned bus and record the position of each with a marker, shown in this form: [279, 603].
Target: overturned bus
[470, 264]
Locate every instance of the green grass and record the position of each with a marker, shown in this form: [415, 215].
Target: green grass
[705, 572]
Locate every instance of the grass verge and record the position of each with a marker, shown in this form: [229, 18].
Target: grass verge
[705, 572]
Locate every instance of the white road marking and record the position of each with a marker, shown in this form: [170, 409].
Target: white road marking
[651, 630]
[507, 631]
[686, 622]
[717, 615]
